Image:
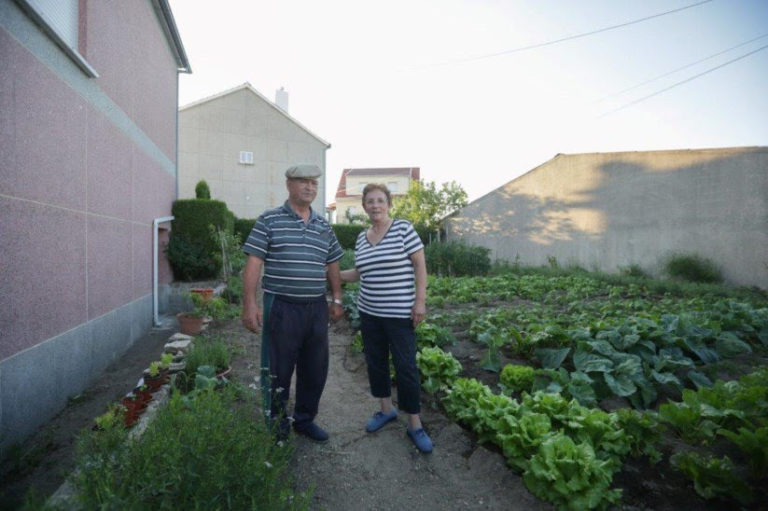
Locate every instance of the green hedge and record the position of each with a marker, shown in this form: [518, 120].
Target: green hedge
[243, 228]
[455, 258]
[347, 234]
[192, 246]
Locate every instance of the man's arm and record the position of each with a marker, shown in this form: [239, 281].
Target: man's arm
[336, 310]
[251, 317]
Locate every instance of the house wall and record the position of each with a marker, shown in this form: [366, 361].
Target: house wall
[211, 136]
[87, 163]
[355, 185]
[604, 211]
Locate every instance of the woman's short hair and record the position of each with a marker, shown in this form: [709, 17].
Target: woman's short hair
[375, 186]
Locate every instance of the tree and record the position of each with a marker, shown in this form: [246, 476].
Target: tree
[425, 206]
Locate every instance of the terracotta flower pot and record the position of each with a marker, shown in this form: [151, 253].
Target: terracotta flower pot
[206, 293]
[189, 325]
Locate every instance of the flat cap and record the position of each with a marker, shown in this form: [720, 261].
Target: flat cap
[303, 172]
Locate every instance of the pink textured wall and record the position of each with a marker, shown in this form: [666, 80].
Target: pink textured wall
[135, 66]
[43, 123]
[78, 195]
[42, 268]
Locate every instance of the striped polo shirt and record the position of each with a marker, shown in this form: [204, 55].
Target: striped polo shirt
[294, 253]
[387, 283]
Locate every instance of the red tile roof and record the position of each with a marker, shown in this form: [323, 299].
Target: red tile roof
[341, 192]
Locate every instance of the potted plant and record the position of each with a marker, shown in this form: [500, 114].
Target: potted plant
[191, 322]
[133, 405]
[109, 419]
[153, 378]
[143, 394]
[206, 293]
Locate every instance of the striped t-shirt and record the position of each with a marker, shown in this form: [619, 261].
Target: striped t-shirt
[387, 283]
[294, 253]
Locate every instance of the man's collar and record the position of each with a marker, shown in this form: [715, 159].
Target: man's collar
[288, 209]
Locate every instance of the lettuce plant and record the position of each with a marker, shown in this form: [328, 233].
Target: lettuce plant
[438, 369]
[570, 475]
[712, 476]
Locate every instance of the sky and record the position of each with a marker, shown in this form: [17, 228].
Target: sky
[441, 84]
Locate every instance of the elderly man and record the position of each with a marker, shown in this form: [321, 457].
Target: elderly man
[296, 248]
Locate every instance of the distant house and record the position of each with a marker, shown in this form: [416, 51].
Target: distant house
[241, 143]
[605, 211]
[88, 95]
[349, 193]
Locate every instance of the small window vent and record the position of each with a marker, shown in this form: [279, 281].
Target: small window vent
[246, 157]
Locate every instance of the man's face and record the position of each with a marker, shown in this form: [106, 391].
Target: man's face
[302, 190]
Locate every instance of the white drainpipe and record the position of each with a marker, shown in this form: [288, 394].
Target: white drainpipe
[155, 224]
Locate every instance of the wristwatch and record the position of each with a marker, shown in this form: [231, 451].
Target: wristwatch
[338, 301]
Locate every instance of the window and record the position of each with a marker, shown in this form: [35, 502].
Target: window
[392, 185]
[61, 20]
[246, 157]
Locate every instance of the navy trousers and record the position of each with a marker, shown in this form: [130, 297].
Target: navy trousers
[296, 336]
[396, 335]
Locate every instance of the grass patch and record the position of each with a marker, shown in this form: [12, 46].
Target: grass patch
[212, 453]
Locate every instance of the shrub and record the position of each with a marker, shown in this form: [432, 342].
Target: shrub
[202, 191]
[347, 261]
[243, 228]
[188, 260]
[347, 234]
[455, 259]
[192, 238]
[211, 352]
[692, 268]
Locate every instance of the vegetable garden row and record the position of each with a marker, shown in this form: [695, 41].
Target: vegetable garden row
[578, 375]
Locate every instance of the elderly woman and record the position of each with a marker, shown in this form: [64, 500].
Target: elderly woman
[389, 262]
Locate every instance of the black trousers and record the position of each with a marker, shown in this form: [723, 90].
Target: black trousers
[382, 336]
[298, 339]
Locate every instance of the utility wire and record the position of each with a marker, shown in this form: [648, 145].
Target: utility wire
[678, 69]
[682, 82]
[569, 38]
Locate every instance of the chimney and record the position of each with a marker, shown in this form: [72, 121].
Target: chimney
[281, 99]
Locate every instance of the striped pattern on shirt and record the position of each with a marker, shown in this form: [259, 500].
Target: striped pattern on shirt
[294, 253]
[387, 283]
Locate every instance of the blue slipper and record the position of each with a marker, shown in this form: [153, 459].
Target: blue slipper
[379, 419]
[420, 439]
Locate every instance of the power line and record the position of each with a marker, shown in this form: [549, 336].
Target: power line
[682, 82]
[569, 38]
[679, 69]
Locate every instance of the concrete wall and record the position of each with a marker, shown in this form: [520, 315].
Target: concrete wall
[87, 163]
[211, 136]
[603, 211]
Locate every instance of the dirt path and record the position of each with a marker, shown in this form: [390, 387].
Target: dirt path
[355, 470]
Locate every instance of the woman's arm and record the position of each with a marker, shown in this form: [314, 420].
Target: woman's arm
[350, 275]
[419, 311]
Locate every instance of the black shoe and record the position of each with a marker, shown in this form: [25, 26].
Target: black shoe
[313, 432]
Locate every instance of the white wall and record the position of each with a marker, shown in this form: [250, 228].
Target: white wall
[606, 210]
[211, 136]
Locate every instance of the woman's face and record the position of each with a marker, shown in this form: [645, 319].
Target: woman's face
[376, 206]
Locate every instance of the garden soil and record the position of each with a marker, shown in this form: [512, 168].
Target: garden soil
[354, 470]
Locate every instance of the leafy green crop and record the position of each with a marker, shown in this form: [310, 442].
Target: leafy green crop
[570, 475]
[712, 476]
[438, 369]
[516, 378]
